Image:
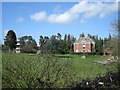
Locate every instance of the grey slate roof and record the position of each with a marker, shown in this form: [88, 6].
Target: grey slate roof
[84, 40]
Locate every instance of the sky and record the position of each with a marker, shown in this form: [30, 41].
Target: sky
[50, 18]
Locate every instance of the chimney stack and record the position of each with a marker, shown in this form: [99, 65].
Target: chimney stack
[89, 35]
[81, 35]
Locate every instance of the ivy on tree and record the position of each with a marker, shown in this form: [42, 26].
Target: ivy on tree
[10, 40]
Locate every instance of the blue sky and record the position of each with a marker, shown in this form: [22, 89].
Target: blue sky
[50, 18]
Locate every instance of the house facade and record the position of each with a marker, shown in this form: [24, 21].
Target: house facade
[84, 44]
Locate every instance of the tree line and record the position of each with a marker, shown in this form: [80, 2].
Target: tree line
[58, 45]
[55, 44]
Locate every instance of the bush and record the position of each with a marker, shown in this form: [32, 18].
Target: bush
[86, 53]
[28, 50]
[110, 80]
[39, 71]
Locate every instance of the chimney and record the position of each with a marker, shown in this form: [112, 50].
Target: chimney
[81, 35]
[89, 35]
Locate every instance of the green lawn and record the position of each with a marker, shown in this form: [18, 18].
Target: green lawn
[86, 67]
[23, 70]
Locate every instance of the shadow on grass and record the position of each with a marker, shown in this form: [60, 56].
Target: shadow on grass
[110, 80]
[64, 56]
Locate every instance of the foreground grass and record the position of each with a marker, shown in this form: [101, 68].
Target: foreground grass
[86, 68]
[24, 71]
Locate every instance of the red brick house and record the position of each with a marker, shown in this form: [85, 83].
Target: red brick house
[84, 44]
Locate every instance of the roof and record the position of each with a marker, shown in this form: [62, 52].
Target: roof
[84, 40]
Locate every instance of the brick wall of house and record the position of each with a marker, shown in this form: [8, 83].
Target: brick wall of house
[79, 47]
[88, 47]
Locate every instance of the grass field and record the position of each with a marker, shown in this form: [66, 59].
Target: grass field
[25, 71]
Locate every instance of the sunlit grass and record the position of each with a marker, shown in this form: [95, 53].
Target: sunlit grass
[20, 70]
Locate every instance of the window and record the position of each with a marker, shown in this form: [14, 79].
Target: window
[76, 50]
[83, 46]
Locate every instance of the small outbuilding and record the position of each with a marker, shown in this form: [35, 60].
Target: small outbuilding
[18, 47]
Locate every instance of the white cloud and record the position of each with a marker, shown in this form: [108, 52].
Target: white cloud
[83, 9]
[20, 19]
[64, 18]
[40, 16]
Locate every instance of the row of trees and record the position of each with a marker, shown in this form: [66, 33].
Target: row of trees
[55, 44]
[101, 45]
[28, 44]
